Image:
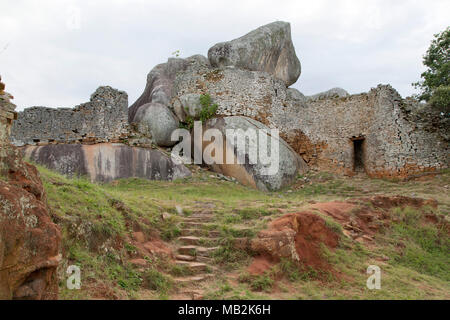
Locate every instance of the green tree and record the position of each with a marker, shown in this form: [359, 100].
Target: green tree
[437, 75]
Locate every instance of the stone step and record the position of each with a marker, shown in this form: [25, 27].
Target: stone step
[193, 224]
[201, 215]
[196, 251]
[193, 266]
[198, 219]
[184, 257]
[197, 278]
[193, 294]
[197, 241]
[200, 233]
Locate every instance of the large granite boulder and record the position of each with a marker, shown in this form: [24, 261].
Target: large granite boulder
[159, 83]
[157, 122]
[268, 48]
[280, 171]
[107, 161]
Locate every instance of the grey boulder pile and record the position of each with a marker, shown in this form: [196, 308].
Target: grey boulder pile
[156, 98]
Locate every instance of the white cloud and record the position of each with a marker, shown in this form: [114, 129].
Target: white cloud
[60, 51]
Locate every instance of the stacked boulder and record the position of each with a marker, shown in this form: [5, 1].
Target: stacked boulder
[245, 77]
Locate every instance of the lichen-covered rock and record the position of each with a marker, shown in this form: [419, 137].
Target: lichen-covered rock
[107, 161]
[155, 120]
[270, 176]
[268, 48]
[158, 88]
[29, 240]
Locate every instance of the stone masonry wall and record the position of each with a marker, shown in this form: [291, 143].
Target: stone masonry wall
[7, 115]
[399, 138]
[103, 119]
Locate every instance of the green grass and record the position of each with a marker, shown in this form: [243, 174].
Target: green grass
[92, 216]
[421, 247]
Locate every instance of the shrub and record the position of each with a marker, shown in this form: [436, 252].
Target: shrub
[441, 99]
[207, 111]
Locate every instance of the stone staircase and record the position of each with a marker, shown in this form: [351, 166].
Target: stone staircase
[196, 244]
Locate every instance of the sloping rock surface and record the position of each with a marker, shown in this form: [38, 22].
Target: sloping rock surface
[107, 161]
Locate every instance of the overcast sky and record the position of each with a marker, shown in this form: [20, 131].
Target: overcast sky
[56, 53]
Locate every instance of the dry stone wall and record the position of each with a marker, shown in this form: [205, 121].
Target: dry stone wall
[7, 115]
[396, 137]
[392, 136]
[103, 119]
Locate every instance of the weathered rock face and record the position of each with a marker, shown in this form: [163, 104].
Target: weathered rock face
[297, 237]
[187, 105]
[159, 83]
[152, 114]
[271, 175]
[268, 48]
[102, 119]
[105, 161]
[157, 122]
[29, 240]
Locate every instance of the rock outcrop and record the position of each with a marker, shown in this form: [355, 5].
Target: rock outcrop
[107, 161]
[268, 48]
[29, 240]
[297, 237]
[273, 173]
[158, 91]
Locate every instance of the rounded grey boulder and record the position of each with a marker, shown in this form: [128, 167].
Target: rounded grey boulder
[268, 48]
[156, 120]
[279, 172]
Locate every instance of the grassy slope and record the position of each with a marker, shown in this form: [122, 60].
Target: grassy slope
[418, 271]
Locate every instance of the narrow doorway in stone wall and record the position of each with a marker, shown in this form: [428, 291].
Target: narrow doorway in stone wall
[358, 154]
